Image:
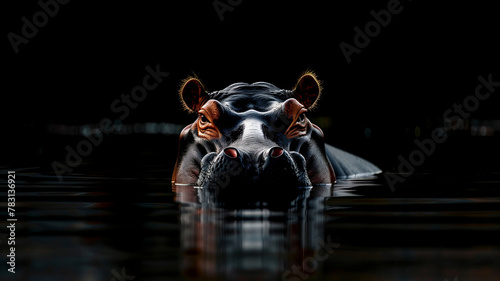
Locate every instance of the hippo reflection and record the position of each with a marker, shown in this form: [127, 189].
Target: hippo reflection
[252, 243]
[258, 135]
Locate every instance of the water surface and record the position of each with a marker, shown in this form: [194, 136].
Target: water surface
[99, 227]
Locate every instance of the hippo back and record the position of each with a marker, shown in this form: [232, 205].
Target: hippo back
[348, 166]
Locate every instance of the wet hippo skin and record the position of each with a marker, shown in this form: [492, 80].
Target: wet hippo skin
[258, 135]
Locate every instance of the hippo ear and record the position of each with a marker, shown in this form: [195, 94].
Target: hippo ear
[193, 94]
[307, 90]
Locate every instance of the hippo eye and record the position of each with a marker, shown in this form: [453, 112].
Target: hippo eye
[204, 119]
[301, 118]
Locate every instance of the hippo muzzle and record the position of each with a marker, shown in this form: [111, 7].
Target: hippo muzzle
[252, 135]
[272, 167]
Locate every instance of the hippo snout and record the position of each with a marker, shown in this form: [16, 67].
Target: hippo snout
[239, 168]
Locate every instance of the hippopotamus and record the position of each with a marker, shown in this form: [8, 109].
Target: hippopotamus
[258, 135]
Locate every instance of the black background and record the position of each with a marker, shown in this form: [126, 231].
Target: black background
[424, 61]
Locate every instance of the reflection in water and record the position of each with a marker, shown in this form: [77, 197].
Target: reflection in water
[431, 228]
[271, 241]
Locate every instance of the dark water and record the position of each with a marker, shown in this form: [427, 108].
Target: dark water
[100, 227]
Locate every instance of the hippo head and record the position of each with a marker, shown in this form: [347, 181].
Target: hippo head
[252, 135]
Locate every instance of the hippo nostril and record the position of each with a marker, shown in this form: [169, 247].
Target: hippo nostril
[276, 152]
[231, 152]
